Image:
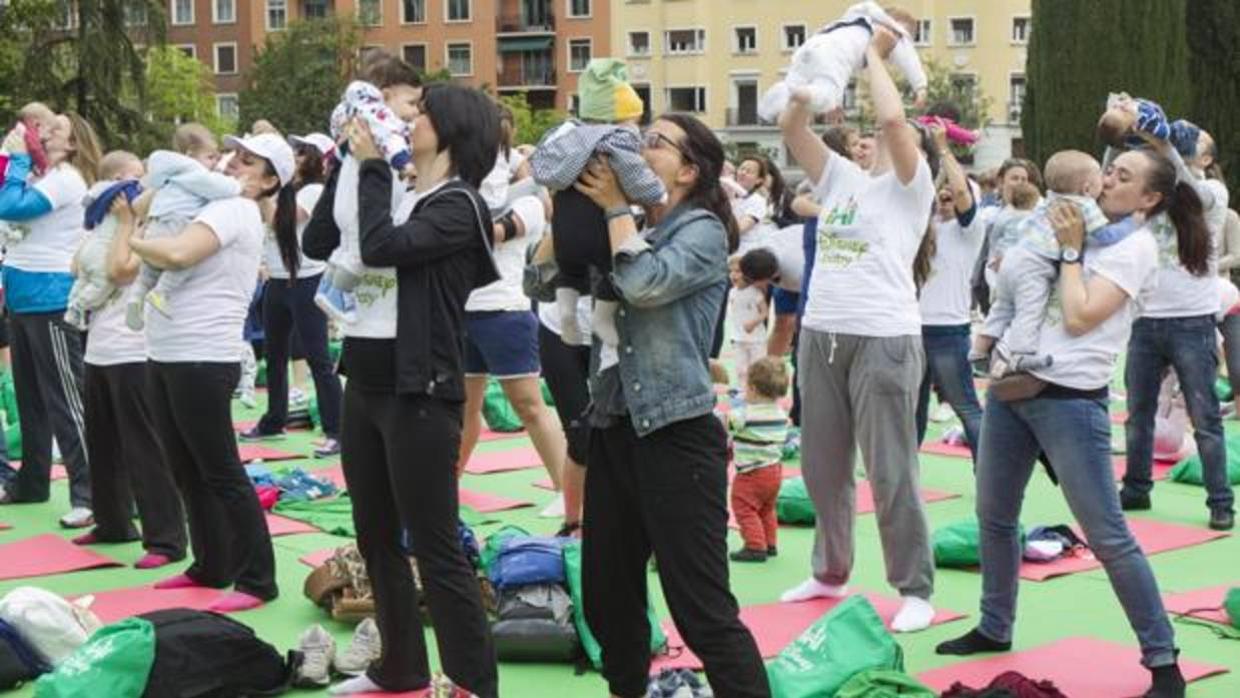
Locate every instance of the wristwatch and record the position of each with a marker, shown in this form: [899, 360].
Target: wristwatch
[1070, 255]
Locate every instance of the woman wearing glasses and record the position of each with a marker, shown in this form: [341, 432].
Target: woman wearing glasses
[657, 481]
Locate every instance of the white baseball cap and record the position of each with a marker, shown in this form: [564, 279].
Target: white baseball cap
[318, 141]
[271, 148]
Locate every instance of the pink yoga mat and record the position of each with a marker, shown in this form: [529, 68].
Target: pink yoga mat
[253, 452]
[774, 625]
[1153, 537]
[1206, 604]
[865, 499]
[938, 448]
[4, 526]
[1079, 666]
[488, 435]
[485, 503]
[1119, 416]
[47, 554]
[114, 605]
[1162, 468]
[282, 526]
[316, 558]
[502, 461]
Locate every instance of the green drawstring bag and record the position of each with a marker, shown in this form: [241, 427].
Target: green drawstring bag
[1188, 471]
[495, 543]
[12, 420]
[334, 349]
[1231, 604]
[884, 683]
[497, 411]
[594, 651]
[958, 544]
[848, 640]
[115, 662]
[793, 505]
[1222, 390]
[546, 393]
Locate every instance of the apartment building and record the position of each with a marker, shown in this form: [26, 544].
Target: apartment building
[533, 46]
[717, 57]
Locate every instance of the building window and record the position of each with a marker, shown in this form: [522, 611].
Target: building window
[574, 104]
[580, 51]
[135, 14]
[224, 11]
[225, 59]
[924, 36]
[277, 14]
[686, 99]
[415, 56]
[964, 85]
[578, 8]
[182, 12]
[458, 10]
[794, 36]
[189, 50]
[227, 107]
[639, 43]
[684, 41]
[316, 9]
[460, 59]
[413, 11]
[746, 39]
[1016, 97]
[961, 31]
[370, 12]
[1020, 30]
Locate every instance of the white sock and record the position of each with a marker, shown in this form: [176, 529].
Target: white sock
[813, 589]
[604, 322]
[914, 614]
[566, 304]
[357, 684]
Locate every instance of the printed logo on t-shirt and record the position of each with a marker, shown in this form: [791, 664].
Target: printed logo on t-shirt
[1168, 242]
[836, 251]
[373, 287]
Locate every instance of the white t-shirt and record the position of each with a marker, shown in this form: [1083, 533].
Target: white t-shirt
[745, 305]
[54, 236]
[307, 197]
[1180, 293]
[109, 341]
[946, 297]
[206, 311]
[1216, 215]
[549, 316]
[788, 248]
[754, 206]
[868, 235]
[507, 294]
[1087, 362]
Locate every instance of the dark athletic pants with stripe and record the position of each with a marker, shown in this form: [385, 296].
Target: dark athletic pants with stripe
[47, 377]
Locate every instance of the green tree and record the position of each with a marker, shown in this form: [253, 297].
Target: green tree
[1213, 31]
[531, 124]
[179, 90]
[1081, 51]
[298, 77]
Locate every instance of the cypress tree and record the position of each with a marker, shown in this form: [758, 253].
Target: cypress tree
[1213, 31]
[1081, 51]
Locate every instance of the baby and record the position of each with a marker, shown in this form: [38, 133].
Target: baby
[1004, 230]
[181, 184]
[385, 98]
[609, 109]
[1125, 116]
[827, 61]
[34, 121]
[1029, 269]
[758, 431]
[747, 311]
[119, 172]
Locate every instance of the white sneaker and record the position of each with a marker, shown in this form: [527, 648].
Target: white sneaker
[554, 510]
[248, 400]
[318, 649]
[78, 517]
[813, 589]
[364, 649]
[942, 413]
[914, 614]
[297, 399]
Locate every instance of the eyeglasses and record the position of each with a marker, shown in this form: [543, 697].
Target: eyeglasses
[655, 140]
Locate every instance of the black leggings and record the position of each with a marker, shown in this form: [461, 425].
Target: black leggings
[288, 310]
[567, 372]
[399, 454]
[192, 405]
[581, 241]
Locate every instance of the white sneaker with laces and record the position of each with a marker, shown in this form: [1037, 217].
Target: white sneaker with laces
[78, 517]
[318, 649]
[364, 649]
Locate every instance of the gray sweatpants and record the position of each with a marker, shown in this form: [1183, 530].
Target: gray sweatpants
[862, 391]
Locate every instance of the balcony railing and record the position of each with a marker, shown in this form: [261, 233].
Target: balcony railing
[520, 76]
[516, 24]
[743, 116]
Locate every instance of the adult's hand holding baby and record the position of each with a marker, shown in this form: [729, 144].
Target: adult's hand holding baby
[884, 40]
[1068, 223]
[361, 140]
[123, 211]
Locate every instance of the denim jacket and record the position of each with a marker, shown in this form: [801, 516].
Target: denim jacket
[671, 283]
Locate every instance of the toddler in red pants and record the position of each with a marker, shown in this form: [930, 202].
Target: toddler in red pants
[759, 430]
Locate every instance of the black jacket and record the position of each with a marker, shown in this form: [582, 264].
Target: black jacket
[441, 254]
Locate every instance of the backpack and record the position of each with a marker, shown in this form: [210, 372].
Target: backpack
[529, 560]
[50, 624]
[341, 586]
[495, 543]
[19, 662]
[535, 623]
[793, 505]
[199, 654]
[594, 651]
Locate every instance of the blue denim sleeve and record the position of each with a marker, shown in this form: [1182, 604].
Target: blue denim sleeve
[694, 258]
[19, 201]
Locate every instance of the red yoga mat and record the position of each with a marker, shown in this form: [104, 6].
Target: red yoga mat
[1079, 666]
[485, 503]
[1153, 537]
[4, 526]
[316, 558]
[116, 604]
[503, 461]
[1205, 604]
[865, 499]
[1119, 416]
[938, 448]
[774, 625]
[48, 554]
[1162, 468]
[282, 526]
[253, 452]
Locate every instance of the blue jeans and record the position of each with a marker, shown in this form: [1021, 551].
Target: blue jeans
[1187, 345]
[1012, 436]
[948, 370]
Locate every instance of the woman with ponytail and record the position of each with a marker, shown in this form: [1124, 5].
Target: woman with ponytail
[657, 481]
[288, 303]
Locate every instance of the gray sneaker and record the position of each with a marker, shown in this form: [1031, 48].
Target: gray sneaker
[365, 648]
[318, 648]
[78, 517]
